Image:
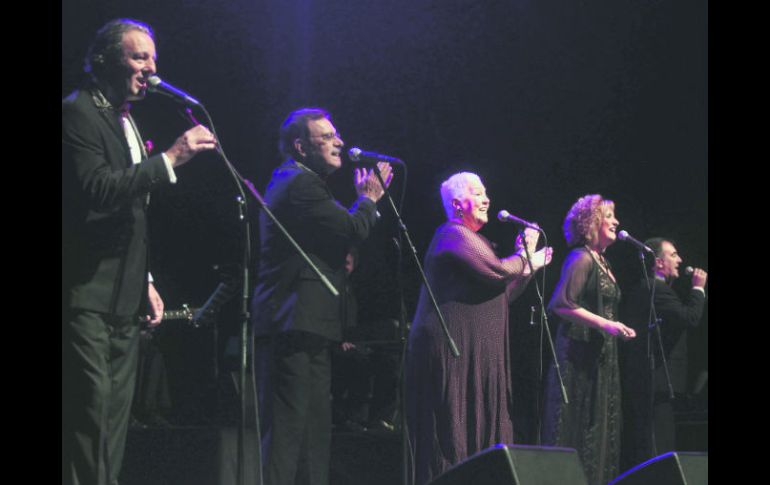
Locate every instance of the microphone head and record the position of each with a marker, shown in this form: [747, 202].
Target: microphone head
[154, 80]
[355, 154]
[688, 270]
[623, 235]
[156, 85]
[503, 215]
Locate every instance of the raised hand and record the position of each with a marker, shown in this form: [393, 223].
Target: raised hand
[192, 142]
[539, 259]
[699, 278]
[366, 182]
[531, 236]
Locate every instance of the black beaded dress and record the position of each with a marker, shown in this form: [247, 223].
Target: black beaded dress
[588, 360]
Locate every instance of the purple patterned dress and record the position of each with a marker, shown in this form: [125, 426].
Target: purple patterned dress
[459, 406]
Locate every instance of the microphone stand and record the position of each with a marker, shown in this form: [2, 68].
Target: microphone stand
[405, 231]
[404, 336]
[244, 315]
[544, 320]
[653, 325]
[240, 182]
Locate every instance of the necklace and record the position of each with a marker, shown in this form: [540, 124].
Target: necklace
[603, 264]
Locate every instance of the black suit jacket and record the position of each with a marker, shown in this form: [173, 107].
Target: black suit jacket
[104, 199]
[677, 315]
[289, 295]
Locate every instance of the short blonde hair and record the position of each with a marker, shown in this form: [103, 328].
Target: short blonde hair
[454, 188]
[581, 226]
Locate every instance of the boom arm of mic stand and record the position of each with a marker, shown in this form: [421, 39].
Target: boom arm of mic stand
[403, 228]
[264, 207]
[301, 252]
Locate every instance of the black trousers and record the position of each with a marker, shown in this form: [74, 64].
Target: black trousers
[152, 397]
[99, 355]
[294, 381]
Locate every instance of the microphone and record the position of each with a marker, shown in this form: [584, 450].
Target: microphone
[624, 236]
[358, 155]
[688, 271]
[156, 85]
[505, 216]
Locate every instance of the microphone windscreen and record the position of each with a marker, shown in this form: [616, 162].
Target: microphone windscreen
[354, 154]
[688, 270]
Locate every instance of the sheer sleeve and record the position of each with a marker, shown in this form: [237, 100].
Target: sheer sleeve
[517, 286]
[475, 256]
[574, 275]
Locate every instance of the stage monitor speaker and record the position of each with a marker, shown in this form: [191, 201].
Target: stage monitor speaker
[517, 465]
[674, 468]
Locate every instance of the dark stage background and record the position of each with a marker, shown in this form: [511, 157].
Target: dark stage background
[546, 100]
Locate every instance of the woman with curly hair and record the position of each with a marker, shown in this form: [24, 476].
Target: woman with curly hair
[586, 303]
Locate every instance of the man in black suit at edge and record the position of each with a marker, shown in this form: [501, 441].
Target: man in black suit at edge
[296, 318]
[106, 180]
[676, 314]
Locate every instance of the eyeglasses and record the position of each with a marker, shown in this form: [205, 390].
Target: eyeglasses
[328, 136]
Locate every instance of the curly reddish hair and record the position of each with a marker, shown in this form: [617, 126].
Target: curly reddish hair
[581, 226]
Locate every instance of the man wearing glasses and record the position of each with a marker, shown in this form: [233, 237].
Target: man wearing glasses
[296, 318]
